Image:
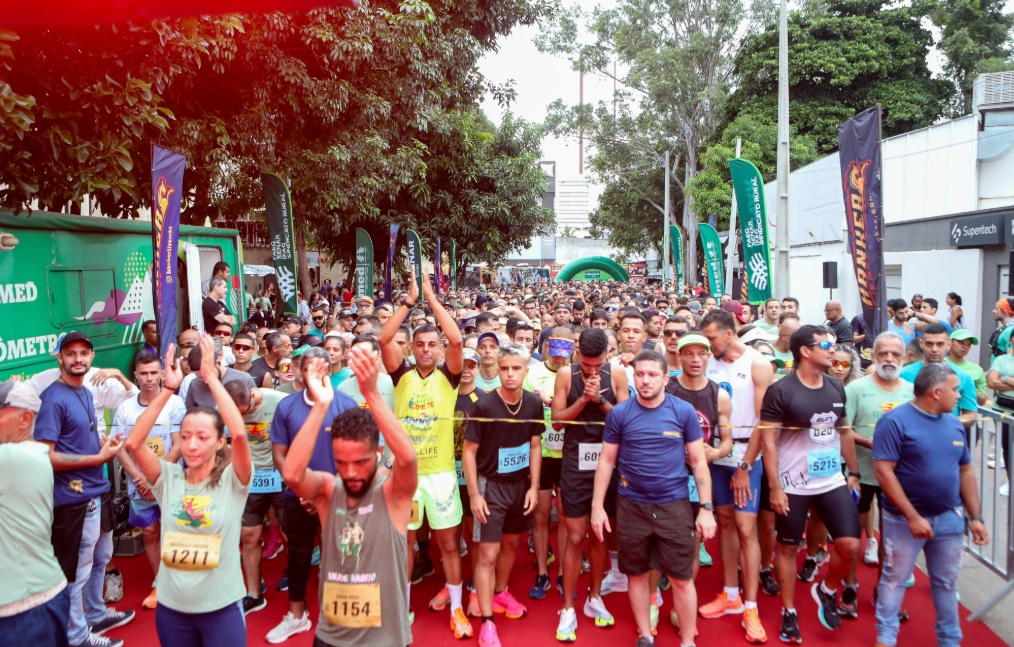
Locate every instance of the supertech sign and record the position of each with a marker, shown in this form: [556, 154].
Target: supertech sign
[979, 231]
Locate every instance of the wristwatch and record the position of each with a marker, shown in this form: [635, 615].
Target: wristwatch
[710, 507]
[746, 467]
[975, 517]
[855, 474]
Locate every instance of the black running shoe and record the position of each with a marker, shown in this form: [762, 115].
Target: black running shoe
[848, 605]
[827, 606]
[112, 620]
[283, 584]
[769, 585]
[789, 633]
[809, 570]
[423, 568]
[251, 604]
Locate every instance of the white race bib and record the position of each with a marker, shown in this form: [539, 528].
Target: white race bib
[588, 456]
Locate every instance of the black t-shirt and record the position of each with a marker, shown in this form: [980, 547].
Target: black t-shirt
[505, 447]
[256, 317]
[865, 349]
[842, 330]
[258, 369]
[212, 309]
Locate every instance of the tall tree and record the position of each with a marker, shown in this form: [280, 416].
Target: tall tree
[677, 59]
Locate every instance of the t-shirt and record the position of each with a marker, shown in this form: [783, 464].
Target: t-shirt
[385, 386]
[425, 406]
[339, 377]
[462, 409]
[258, 429]
[842, 330]
[865, 404]
[771, 329]
[211, 309]
[785, 357]
[809, 448]
[504, 450]
[652, 448]
[542, 378]
[199, 395]
[905, 330]
[487, 385]
[108, 395]
[928, 452]
[1004, 365]
[201, 510]
[966, 386]
[159, 438]
[865, 348]
[26, 534]
[292, 412]
[976, 373]
[67, 418]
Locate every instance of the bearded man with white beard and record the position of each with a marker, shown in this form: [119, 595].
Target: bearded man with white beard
[866, 400]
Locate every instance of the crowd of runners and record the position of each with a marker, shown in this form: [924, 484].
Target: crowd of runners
[371, 437]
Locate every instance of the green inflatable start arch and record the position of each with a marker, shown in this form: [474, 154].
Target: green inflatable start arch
[593, 268]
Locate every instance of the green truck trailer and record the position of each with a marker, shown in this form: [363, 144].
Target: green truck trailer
[60, 273]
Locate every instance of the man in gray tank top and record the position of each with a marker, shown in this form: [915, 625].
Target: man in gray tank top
[364, 567]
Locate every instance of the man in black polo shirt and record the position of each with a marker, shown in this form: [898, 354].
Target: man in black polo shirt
[213, 308]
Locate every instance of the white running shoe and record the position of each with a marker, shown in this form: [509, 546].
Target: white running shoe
[596, 608]
[566, 631]
[1005, 489]
[288, 627]
[614, 582]
[871, 558]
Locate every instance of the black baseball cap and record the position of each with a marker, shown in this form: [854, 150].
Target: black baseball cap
[70, 338]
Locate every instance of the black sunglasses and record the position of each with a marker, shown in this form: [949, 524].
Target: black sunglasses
[677, 333]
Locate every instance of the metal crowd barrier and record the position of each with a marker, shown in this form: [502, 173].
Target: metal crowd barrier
[988, 436]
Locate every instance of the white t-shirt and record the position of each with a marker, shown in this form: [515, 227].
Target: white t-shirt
[160, 436]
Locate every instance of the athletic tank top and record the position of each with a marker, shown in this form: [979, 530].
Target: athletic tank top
[704, 401]
[737, 380]
[363, 570]
[574, 435]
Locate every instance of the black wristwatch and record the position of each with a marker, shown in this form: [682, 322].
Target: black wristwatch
[975, 517]
[855, 474]
[710, 507]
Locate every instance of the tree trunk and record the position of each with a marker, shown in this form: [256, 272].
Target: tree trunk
[690, 220]
[302, 270]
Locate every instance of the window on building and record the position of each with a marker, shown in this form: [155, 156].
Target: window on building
[892, 279]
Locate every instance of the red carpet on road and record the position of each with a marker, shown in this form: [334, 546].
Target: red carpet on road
[538, 628]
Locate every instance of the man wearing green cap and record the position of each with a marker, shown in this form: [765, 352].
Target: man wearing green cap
[962, 341]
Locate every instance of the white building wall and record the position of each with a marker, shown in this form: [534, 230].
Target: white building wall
[996, 182]
[573, 205]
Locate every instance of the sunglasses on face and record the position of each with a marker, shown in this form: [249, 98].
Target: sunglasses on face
[284, 366]
[223, 333]
[824, 345]
[839, 364]
[318, 318]
[674, 332]
[241, 347]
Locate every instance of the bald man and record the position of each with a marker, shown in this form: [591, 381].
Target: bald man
[837, 322]
[781, 345]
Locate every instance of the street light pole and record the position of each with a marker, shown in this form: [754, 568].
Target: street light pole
[782, 285]
[665, 226]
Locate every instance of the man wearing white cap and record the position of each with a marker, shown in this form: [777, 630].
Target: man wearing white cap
[35, 602]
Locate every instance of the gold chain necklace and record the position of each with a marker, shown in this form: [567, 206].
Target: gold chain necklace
[513, 412]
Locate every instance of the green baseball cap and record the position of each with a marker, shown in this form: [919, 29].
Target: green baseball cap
[693, 339]
[961, 335]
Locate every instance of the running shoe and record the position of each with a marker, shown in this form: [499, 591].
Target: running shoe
[538, 590]
[288, 627]
[645, 641]
[809, 570]
[871, 556]
[504, 602]
[460, 625]
[462, 548]
[283, 584]
[721, 606]
[100, 641]
[769, 585]
[473, 610]
[151, 601]
[113, 584]
[827, 606]
[789, 631]
[910, 582]
[704, 557]
[550, 556]
[251, 604]
[559, 587]
[423, 568]
[440, 600]
[487, 635]
[596, 608]
[315, 558]
[754, 629]
[614, 582]
[272, 549]
[566, 631]
[112, 620]
[674, 620]
[411, 618]
[848, 605]
[531, 543]
[822, 556]
[663, 583]
[585, 564]
[653, 616]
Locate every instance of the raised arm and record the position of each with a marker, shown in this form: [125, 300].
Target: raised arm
[389, 350]
[306, 483]
[242, 461]
[452, 356]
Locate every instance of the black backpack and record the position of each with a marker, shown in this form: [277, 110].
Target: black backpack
[993, 339]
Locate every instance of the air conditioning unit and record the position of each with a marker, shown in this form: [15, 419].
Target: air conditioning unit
[992, 93]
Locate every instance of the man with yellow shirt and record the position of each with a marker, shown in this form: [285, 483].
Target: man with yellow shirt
[424, 397]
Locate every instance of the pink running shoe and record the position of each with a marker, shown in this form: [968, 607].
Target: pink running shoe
[487, 635]
[504, 602]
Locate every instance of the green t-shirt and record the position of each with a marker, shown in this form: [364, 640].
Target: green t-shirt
[771, 329]
[258, 429]
[202, 510]
[865, 403]
[26, 534]
[785, 357]
[487, 385]
[1004, 365]
[385, 385]
[339, 377]
[978, 375]
[541, 378]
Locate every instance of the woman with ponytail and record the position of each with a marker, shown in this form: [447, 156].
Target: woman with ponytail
[200, 581]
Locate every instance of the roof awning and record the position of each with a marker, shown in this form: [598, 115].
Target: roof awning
[258, 270]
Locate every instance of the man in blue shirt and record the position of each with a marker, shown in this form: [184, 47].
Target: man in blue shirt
[298, 524]
[935, 343]
[649, 440]
[925, 471]
[68, 424]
